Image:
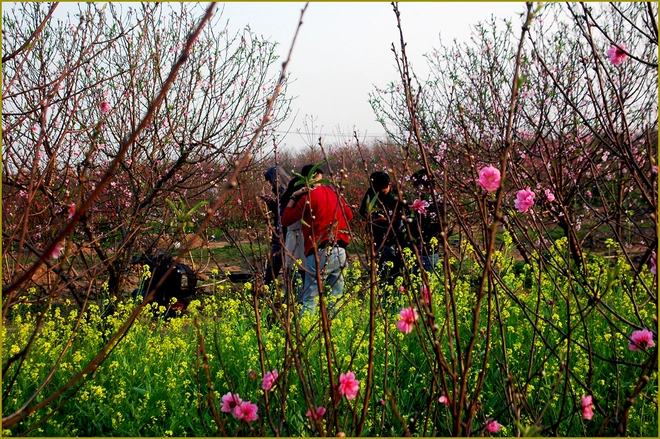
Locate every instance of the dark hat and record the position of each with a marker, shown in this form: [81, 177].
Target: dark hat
[277, 175]
[307, 169]
[270, 173]
[379, 180]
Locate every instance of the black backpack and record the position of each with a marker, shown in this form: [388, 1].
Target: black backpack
[180, 282]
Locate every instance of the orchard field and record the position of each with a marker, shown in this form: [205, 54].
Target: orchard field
[131, 129]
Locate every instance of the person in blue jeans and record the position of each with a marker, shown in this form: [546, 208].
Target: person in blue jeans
[332, 261]
[325, 216]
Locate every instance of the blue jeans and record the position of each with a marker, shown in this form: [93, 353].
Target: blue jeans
[389, 254]
[331, 263]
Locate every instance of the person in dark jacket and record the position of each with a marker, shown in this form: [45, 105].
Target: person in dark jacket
[294, 240]
[278, 179]
[384, 215]
[427, 220]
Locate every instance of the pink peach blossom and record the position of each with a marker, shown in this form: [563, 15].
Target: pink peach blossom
[443, 400]
[105, 107]
[317, 414]
[654, 263]
[641, 339]
[72, 210]
[230, 402]
[549, 196]
[57, 251]
[408, 318]
[420, 206]
[616, 55]
[246, 411]
[269, 379]
[348, 385]
[524, 200]
[587, 407]
[426, 292]
[493, 426]
[489, 178]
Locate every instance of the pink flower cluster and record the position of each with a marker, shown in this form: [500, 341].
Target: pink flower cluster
[489, 178]
[420, 206]
[408, 318]
[524, 200]
[317, 414]
[269, 379]
[493, 426]
[242, 410]
[549, 196]
[587, 407]
[105, 107]
[641, 340]
[616, 55]
[348, 385]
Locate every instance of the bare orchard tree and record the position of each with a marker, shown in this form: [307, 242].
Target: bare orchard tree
[74, 89]
[110, 118]
[584, 128]
[565, 109]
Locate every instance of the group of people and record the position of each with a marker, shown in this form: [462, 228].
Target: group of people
[394, 225]
[314, 219]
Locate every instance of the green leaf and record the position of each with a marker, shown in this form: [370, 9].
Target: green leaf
[371, 202]
[140, 390]
[172, 205]
[197, 206]
[317, 166]
[528, 430]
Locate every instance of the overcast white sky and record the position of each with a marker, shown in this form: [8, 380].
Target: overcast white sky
[344, 51]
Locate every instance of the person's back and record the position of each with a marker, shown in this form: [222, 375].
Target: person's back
[325, 216]
[325, 219]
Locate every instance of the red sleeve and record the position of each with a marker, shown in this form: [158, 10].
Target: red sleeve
[348, 213]
[294, 213]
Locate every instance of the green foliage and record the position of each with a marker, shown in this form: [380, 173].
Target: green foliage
[183, 217]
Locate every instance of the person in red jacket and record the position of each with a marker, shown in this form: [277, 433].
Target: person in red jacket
[325, 216]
